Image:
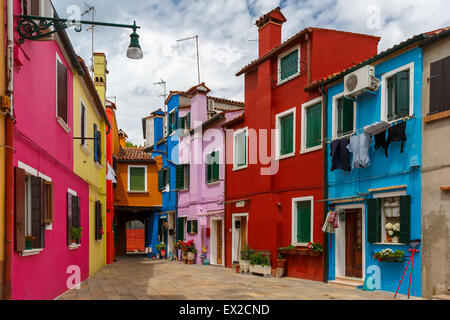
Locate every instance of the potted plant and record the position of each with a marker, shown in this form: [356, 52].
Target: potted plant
[29, 242]
[76, 234]
[388, 255]
[191, 255]
[392, 232]
[260, 264]
[315, 248]
[244, 262]
[281, 262]
[292, 249]
[162, 249]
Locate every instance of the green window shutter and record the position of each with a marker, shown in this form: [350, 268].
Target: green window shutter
[287, 136]
[405, 218]
[187, 175]
[215, 166]
[189, 226]
[374, 220]
[160, 180]
[194, 226]
[289, 65]
[188, 121]
[313, 125]
[304, 221]
[181, 122]
[180, 229]
[137, 179]
[179, 177]
[347, 116]
[402, 93]
[391, 97]
[169, 125]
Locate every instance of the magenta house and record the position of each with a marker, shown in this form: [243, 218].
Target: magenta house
[49, 198]
[200, 175]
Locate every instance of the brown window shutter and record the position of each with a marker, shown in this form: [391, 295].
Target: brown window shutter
[69, 219]
[437, 86]
[37, 229]
[79, 215]
[447, 83]
[48, 204]
[62, 91]
[20, 209]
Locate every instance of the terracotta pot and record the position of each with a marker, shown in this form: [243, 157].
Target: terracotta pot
[281, 263]
[237, 269]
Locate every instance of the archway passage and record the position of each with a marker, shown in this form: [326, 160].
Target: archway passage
[135, 236]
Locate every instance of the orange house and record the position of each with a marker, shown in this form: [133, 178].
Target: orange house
[136, 196]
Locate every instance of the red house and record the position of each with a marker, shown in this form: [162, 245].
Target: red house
[269, 209]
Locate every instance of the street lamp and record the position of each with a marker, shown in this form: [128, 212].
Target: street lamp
[35, 27]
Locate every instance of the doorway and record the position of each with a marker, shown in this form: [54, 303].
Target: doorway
[240, 235]
[216, 241]
[353, 243]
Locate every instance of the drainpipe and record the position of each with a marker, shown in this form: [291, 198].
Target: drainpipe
[325, 178]
[9, 184]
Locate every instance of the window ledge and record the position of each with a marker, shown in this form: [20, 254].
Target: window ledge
[98, 165]
[131, 191]
[30, 252]
[85, 149]
[303, 151]
[182, 190]
[390, 243]
[63, 124]
[436, 116]
[280, 82]
[74, 246]
[284, 156]
[240, 168]
[212, 183]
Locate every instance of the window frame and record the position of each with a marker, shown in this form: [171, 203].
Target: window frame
[64, 124]
[173, 114]
[295, 222]
[235, 134]
[278, 117]
[145, 178]
[166, 175]
[384, 91]
[304, 128]
[334, 121]
[211, 165]
[280, 57]
[83, 123]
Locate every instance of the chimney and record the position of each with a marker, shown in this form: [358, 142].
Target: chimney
[269, 30]
[100, 74]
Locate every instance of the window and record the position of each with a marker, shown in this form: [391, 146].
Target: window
[440, 85]
[212, 167]
[97, 145]
[73, 216]
[345, 116]
[163, 180]
[192, 226]
[240, 153]
[302, 220]
[285, 128]
[182, 176]
[390, 210]
[288, 65]
[185, 122]
[98, 220]
[61, 91]
[181, 222]
[33, 209]
[397, 92]
[172, 125]
[137, 178]
[311, 125]
[83, 121]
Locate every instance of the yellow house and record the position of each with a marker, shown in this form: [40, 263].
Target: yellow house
[90, 128]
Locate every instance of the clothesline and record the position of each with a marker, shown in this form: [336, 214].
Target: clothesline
[361, 130]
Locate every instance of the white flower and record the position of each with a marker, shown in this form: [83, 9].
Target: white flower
[388, 226]
[391, 233]
[397, 227]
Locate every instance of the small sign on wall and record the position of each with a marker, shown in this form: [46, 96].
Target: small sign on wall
[240, 204]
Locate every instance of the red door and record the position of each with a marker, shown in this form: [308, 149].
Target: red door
[353, 244]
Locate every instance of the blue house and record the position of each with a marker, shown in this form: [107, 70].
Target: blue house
[160, 133]
[374, 186]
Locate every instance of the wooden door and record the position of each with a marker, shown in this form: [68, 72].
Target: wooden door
[219, 241]
[353, 244]
[243, 232]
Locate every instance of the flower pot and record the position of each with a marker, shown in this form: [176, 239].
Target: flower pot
[388, 237]
[190, 261]
[191, 256]
[281, 263]
[394, 239]
[28, 244]
[293, 251]
[244, 265]
[163, 253]
[237, 268]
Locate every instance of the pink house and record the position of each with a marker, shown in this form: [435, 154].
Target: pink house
[50, 198]
[200, 175]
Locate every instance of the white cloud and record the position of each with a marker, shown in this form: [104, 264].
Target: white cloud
[224, 28]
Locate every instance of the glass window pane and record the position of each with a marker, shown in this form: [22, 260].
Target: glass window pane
[137, 179]
[289, 65]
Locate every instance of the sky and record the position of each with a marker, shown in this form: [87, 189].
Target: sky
[224, 28]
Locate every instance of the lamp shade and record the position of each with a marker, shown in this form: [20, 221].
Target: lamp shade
[134, 50]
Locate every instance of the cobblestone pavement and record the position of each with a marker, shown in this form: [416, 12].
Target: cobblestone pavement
[134, 277]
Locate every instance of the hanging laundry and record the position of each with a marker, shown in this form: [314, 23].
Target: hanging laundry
[335, 222]
[377, 127]
[327, 227]
[359, 146]
[340, 156]
[380, 141]
[396, 133]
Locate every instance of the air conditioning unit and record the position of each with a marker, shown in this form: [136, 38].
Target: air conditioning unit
[360, 80]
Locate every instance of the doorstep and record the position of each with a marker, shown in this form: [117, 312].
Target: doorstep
[346, 282]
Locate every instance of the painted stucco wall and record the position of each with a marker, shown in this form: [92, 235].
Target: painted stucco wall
[395, 170]
[435, 174]
[2, 150]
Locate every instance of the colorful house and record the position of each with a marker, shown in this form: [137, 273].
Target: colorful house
[273, 200]
[112, 149]
[136, 195]
[375, 188]
[90, 124]
[48, 194]
[435, 161]
[200, 176]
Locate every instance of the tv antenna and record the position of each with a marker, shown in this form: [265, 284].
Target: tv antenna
[90, 9]
[198, 61]
[164, 95]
